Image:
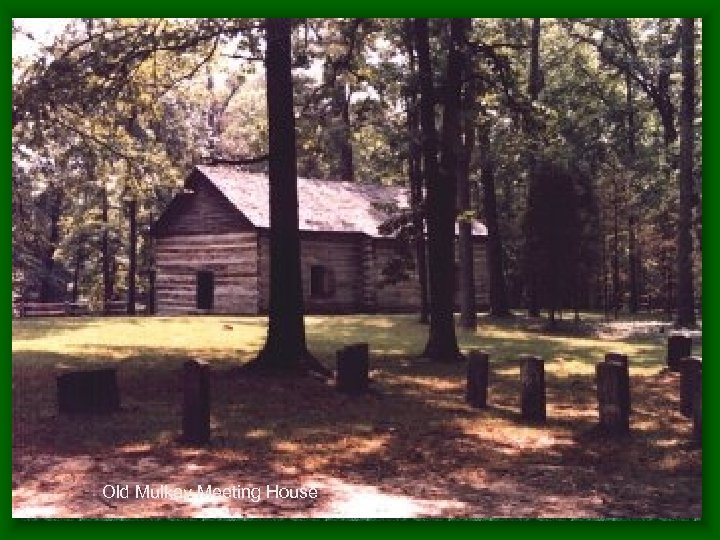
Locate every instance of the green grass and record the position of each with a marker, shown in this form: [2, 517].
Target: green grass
[227, 339]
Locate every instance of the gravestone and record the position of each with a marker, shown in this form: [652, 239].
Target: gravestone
[477, 379]
[352, 369]
[690, 379]
[613, 398]
[532, 398]
[678, 346]
[88, 392]
[196, 403]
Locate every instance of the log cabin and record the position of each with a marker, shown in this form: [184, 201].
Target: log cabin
[212, 247]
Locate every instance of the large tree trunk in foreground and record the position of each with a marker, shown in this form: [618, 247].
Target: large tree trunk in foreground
[685, 293]
[285, 350]
[498, 289]
[441, 189]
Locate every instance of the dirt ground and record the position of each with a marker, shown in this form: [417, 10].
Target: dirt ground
[412, 448]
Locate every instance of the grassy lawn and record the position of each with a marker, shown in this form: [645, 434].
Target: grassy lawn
[410, 448]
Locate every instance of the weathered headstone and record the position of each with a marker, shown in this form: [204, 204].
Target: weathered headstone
[532, 398]
[619, 358]
[88, 392]
[622, 359]
[477, 379]
[697, 413]
[690, 379]
[678, 346]
[613, 398]
[196, 403]
[352, 369]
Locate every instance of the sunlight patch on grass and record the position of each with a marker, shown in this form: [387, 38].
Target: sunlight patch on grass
[234, 338]
[89, 335]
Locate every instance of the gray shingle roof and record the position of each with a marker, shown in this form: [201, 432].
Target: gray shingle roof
[324, 205]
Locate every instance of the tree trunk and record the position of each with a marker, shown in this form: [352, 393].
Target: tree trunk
[534, 84]
[498, 289]
[632, 220]
[416, 183]
[48, 288]
[441, 188]
[616, 251]
[76, 272]
[285, 350]
[415, 174]
[685, 292]
[132, 266]
[634, 301]
[105, 248]
[343, 139]
[468, 310]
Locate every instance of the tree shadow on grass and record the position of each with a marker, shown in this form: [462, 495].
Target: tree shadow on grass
[411, 441]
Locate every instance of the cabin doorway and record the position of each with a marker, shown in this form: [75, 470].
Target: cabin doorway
[205, 289]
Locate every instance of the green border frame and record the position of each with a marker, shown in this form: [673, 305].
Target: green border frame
[707, 526]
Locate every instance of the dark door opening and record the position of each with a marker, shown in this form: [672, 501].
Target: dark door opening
[205, 289]
[322, 282]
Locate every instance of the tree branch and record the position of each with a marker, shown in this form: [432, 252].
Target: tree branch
[241, 161]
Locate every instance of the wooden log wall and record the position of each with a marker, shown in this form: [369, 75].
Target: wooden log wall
[405, 295]
[340, 253]
[202, 210]
[369, 275]
[233, 259]
[400, 296]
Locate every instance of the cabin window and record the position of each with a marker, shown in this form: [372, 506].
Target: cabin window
[205, 289]
[322, 282]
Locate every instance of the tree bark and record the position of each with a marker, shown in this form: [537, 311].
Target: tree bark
[534, 83]
[468, 309]
[105, 248]
[285, 350]
[498, 289]
[132, 255]
[79, 254]
[416, 177]
[441, 188]
[633, 260]
[616, 251]
[48, 290]
[347, 170]
[685, 289]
